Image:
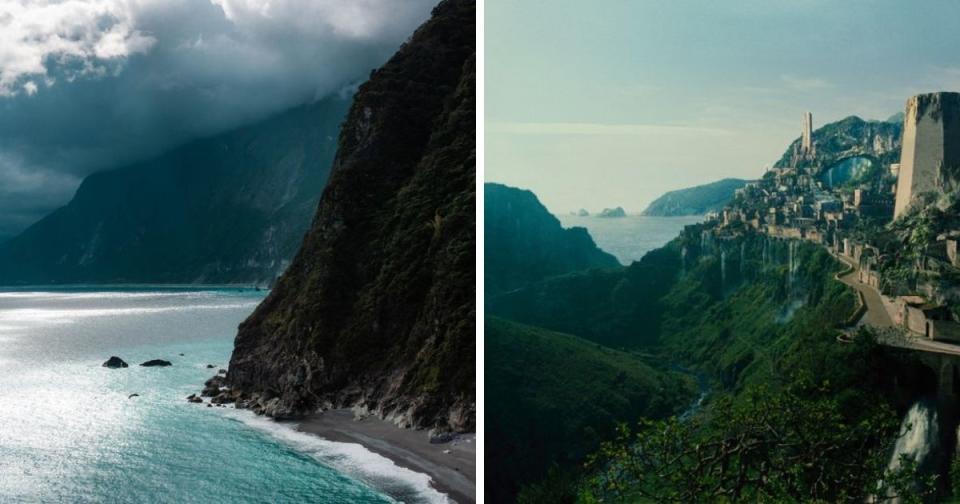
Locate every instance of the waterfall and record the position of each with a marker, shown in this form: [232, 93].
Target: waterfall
[683, 260]
[790, 251]
[766, 251]
[919, 439]
[743, 260]
[918, 435]
[723, 269]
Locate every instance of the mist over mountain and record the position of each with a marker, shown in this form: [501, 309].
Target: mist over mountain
[89, 85]
[231, 208]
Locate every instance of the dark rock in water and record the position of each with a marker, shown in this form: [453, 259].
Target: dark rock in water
[114, 363]
[209, 405]
[222, 371]
[377, 309]
[131, 396]
[210, 366]
[181, 355]
[441, 437]
[156, 362]
[223, 398]
[212, 386]
[194, 398]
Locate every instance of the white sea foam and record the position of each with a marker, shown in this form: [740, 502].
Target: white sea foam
[64, 316]
[349, 458]
[103, 295]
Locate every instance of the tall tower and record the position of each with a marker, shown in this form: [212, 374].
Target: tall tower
[806, 135]
[930, 155]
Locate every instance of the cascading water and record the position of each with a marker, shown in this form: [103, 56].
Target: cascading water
[918, 441]
[766, 252]
[683, 260]
[790, 252]
[918, 435]
[743, 260]
[723, 270]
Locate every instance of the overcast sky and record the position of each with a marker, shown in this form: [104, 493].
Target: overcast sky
[92, 84]
[599, 104]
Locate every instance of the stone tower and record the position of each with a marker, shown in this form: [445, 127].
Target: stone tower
[930, 155]
[806, 134]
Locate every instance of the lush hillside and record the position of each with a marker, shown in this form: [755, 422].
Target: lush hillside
[231, 208]
[377, 310]
[523, 242]
[554, 397]
[757, 318]
[696, 200]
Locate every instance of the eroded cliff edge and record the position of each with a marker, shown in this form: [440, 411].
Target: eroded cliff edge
[377, 309]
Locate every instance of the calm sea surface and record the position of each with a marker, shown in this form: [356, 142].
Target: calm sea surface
[630, 237]
[69, 432]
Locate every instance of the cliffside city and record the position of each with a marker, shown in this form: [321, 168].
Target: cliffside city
[891, 221]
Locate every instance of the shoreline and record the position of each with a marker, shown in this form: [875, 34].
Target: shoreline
[452, 473]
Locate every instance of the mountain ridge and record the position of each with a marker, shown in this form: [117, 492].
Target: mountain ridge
[230, 208]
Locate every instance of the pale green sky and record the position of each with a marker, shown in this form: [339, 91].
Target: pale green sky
[600, 104]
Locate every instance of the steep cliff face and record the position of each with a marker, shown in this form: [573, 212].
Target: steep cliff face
[377, 309]
[523, 242]
[231, 208]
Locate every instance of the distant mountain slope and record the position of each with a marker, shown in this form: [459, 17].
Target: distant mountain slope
[231, 208]
[377, 310]
[523, 242]
[696, 200]
[556, 396]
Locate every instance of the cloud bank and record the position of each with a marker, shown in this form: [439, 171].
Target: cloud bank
[87, 85]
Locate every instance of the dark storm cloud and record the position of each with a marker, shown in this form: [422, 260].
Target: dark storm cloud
[90, 84]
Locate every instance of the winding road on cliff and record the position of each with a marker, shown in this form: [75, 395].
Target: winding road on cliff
[880, 315]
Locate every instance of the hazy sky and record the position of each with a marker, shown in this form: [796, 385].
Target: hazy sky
[599, 104]
[87, 85]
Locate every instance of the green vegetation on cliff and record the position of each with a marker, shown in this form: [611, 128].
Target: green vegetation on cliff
[555, 397]
[757, 318]
[523, 242]
[377, 310]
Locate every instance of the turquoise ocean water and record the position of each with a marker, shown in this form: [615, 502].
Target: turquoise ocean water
[69, 432]
[629, 238]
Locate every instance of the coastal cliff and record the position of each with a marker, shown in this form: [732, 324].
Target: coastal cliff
[377, 310]
[524, 242]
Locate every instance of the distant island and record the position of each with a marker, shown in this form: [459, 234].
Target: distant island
[612, 212]
[697, 200]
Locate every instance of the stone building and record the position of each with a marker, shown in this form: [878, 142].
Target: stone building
[930, 155]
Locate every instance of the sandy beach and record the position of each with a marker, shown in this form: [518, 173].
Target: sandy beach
[452, 466]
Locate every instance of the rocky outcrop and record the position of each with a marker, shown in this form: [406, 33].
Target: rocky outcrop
[523, 242]
[376, 311]
[115, 362]
[697, 200]
[232, 208]
[156, 363]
